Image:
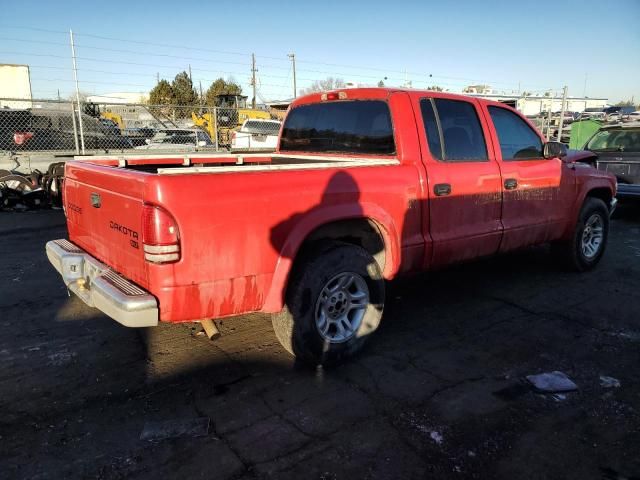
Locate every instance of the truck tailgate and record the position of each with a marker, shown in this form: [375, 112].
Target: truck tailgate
[104, 216]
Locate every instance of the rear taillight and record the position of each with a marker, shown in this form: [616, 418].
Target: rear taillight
[160, 236]
[20, 138]
[233, 135]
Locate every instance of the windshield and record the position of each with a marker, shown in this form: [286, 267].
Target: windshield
[174, 137]
[362, 126]
[615, 140]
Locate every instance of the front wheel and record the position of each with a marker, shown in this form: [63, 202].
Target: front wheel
[585, 249]
[334, 302]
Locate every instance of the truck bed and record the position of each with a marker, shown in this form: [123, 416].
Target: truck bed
[240, 219]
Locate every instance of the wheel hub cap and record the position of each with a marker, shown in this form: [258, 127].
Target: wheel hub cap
[341, 307]
[592, 236]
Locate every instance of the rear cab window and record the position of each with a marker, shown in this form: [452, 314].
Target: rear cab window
[353, 126]
[264, 127]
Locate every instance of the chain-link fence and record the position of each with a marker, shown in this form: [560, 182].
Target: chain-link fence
[63, 128]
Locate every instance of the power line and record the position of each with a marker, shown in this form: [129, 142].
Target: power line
[207, 60]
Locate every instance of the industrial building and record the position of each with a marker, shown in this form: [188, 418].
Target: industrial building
[532, 105]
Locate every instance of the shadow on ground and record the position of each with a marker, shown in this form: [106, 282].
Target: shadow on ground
[438, 393]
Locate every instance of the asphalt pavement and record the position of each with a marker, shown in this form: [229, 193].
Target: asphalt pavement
[439, 392]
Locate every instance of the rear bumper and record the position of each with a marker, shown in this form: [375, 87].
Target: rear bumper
[100, 287]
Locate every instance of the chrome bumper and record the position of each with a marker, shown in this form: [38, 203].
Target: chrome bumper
[100, 287]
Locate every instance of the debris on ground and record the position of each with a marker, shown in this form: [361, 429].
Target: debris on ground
[436, 437]
[193, 427]
[552, 382]
[609, 382]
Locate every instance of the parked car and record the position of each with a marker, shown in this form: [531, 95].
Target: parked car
[614, 117]
[44, 129]
[13, 122]
[139, 136]
[177, 139]
[568, 117]
[634, 116]
[617, 150]
[367, 184]
[256, 134]
[592, 113]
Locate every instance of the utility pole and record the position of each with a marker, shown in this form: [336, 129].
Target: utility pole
[253, 79]
[562, 108]
[201, 98]
[549, 115]
[292, 56]
[157, 77]
[190, 74]
[75, 76]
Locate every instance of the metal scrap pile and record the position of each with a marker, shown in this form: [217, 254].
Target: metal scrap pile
[35, 190]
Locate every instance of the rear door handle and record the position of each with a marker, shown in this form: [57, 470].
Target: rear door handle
[510, 184]
[442, 189]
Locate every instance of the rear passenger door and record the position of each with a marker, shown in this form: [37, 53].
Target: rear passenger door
[537, 192]
[464, 183]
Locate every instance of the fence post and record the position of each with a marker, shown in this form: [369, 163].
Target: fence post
[75, 76]
[549, 120]
[75, 128]
[562, 109]
[215, 126]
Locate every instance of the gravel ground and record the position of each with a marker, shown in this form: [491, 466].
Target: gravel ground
[438, 393]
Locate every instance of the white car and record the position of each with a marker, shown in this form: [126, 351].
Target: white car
[256, 135]
[177, 139]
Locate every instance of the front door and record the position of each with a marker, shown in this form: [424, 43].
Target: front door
[465, 188]
[537, 191]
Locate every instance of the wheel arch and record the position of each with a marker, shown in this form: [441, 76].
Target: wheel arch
[365, 225]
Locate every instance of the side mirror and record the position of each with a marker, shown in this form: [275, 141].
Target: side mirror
[147, 141]
[202, 143]
[555, 150]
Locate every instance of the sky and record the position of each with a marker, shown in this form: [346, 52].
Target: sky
[592, 47]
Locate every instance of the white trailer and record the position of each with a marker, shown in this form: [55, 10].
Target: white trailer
[15, 84]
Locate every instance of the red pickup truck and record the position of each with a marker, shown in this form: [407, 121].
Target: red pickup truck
[367, 184]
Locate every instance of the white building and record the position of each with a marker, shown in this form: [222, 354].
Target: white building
[534, 104]
[15, 83]
[119, 97]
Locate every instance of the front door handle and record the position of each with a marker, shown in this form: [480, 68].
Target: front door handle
[510, 184]
[442, 189]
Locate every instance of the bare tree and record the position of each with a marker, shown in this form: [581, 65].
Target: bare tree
[328, 83]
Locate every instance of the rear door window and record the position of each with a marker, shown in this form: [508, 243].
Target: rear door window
[358, 126]
[453, 130]
[518, 141]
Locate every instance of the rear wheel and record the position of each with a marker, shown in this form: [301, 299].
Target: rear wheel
[334, 302]
[585, 249]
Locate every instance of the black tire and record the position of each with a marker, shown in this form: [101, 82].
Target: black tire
[571, 253]
[295, 326]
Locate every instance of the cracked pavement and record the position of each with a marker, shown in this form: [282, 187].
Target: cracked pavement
[438, 392]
